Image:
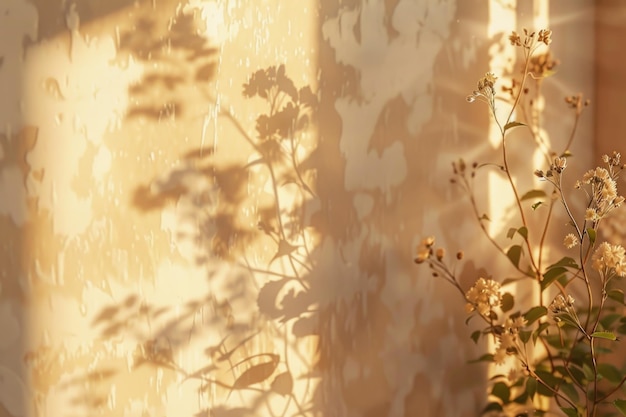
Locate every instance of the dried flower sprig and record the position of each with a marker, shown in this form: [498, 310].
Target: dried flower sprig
[555, 346]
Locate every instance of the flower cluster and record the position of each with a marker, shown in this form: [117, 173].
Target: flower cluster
[483, 296]
[426, 250]
[561, 304]
[603, 193]
[557, 167]
[485, 89]
[553, 344]
[508, 338]
[608, 259]
[601, 181]
[542, 65]
[576, 101]
[529, 38]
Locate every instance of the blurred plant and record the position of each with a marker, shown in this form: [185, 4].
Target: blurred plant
[560, 350]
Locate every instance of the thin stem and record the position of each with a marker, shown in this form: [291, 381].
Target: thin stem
[536, 137]
[544, 235]
[519, 206]
[571, 135]
[555, 392]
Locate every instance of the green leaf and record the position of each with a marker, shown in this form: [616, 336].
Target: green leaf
[554, 340]
[617, 295]
[535, 313]
[531, 387]
[511, 125]
[608, 320]
[507, 302]
[621, 406]
[492, 406]
[592, 235]
[522, 398]
[570, 391]
[589, 374]
[511, 232]
[547, 379]
[610, 372]
[475, 336]
[566, 320]
[540, 329]
[561, 369]
[502, 391]
[566, 262]
[524, 335]
[552, 275]
[570, 412]
[536, 205]
[604, 335]
[514, 254]
[532, 194]
[577, 374]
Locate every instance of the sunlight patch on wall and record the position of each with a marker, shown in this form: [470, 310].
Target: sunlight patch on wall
[502, 17]
[145, 257]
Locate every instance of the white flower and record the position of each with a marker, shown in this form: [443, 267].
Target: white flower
[514, 325]
[607, 258]
[560, 304]
[570, 241]
[484, 296]
[591, 215]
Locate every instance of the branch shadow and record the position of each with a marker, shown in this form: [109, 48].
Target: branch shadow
[336, 221]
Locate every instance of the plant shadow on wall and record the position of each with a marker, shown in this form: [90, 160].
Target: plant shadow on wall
[287, 254]
[159, 41]
[247, 356]
[275, 184]
[253, 226]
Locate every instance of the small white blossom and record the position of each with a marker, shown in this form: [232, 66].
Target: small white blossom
[484, 296]
[560, 304]
[570, 241]
[609, 258]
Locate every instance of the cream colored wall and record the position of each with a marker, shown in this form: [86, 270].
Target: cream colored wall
[610, 100]
[167, 253]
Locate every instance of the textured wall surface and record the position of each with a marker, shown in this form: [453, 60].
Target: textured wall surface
[210, 207]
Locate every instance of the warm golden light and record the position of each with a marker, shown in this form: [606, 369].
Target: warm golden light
[210, 207]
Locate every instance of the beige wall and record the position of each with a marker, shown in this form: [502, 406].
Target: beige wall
[610, 101]
[173, 247]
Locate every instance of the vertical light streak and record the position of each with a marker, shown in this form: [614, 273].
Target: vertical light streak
[502, 19]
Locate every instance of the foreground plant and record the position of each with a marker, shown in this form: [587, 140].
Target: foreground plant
[561, 347]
